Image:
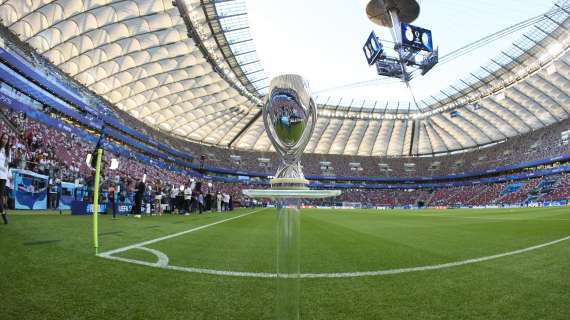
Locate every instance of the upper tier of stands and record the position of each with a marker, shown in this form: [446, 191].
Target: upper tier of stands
[32, 80]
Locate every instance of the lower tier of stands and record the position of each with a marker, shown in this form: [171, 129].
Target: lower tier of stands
[60, 155]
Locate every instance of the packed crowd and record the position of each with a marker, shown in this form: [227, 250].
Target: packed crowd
[535, 145]
[61, 156]
[474, 195]
[561, 190]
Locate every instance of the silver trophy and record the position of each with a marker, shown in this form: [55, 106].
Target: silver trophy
[289, 115]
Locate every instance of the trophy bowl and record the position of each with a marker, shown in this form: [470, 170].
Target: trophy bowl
[289, 115]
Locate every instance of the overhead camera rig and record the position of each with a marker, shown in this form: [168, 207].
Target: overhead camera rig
[413, 46]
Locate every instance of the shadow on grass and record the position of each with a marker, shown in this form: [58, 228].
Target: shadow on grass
[40, 242]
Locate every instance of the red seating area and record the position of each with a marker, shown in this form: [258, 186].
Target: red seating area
[519, 195]
[561, 190]
[62, 156]
[535, 145]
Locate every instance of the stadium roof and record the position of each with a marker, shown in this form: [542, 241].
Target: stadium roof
[191, 70]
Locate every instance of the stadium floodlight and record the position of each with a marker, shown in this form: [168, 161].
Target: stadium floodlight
[114, 164]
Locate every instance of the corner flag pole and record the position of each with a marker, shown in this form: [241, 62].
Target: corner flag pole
[96, 200]
[99, 149]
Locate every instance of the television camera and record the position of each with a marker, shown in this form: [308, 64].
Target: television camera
[413, 46]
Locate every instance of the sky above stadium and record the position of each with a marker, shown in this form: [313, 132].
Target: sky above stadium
[322, 41]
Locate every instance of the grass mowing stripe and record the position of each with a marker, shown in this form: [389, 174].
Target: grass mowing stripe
[386, 271]
[144, 243]
[433, 267]
[163, 264]
[64, 280]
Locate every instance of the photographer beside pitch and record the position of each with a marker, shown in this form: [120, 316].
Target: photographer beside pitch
[139, 194]
[4, 160]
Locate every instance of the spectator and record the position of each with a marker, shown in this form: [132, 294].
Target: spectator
[139, 195]
[4, 159]
[187, 200]
[200, 202]
[226, 199]
[173, 196]
[111, 198]
[52, 194]
[158, 200]
[219, 201]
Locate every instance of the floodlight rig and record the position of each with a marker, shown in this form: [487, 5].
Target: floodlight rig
[413, 44]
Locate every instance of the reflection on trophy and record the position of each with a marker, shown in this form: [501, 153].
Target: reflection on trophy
[289, 115]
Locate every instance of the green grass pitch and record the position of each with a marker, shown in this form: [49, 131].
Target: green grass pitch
[48, 269]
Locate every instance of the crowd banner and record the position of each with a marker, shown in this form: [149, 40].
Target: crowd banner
[29, 190]
[80, 207]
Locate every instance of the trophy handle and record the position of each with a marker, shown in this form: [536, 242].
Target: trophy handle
[312, 117]
[270, 131]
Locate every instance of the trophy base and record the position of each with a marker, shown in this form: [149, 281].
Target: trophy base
[289, 183]
[288, 230]
[280, 194]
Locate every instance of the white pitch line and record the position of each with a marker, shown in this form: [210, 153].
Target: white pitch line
[162, 258]
[498, 218]
[492, 219]
[196, 270]
[107, 254]
[431, 267]
[338, 274]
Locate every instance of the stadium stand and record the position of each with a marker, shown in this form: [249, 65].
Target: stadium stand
[61, 155]
[45, 142]
[66, 110]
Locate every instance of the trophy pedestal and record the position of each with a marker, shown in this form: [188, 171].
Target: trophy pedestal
[288, 202]
[289, 184]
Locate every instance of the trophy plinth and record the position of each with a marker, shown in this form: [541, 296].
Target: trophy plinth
[289, 116]
[290, 177]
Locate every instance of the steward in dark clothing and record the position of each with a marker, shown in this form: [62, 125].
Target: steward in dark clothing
[139, 193]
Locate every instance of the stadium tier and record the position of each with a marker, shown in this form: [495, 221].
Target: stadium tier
[51, 119]
[60, 154]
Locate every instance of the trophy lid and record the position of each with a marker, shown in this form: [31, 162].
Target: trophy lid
[377, 11]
